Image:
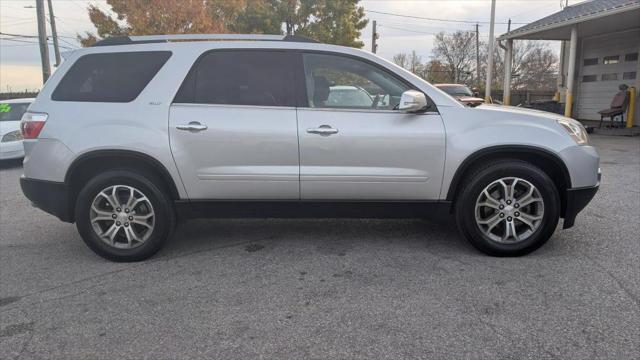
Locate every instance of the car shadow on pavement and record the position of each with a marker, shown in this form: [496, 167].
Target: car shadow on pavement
[323, 236]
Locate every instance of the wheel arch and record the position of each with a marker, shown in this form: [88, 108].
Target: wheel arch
[91, 163]
[546, 160]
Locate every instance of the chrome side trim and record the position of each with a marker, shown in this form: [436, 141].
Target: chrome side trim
[366, 111]
[233, 106]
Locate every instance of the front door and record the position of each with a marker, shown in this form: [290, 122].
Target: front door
[354, 145]
[233, 129]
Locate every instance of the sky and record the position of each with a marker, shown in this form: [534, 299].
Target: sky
[20, 60]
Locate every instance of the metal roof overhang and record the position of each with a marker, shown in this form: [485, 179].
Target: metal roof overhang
[596, 24]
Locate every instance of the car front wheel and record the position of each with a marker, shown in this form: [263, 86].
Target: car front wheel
[508, 208]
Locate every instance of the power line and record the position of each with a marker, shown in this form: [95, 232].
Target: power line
[30, 36]
[421, 26]
[30, 42]
[409, 30]
[17, 22]
[435, 19]
[19, 35]
[17, 40]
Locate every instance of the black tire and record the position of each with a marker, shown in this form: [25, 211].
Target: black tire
[164, 222]
[480, 178]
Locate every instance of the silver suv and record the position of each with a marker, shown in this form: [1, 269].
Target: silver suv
[135, 133]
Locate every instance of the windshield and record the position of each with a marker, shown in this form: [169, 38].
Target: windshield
[456, 90]
[12, 111]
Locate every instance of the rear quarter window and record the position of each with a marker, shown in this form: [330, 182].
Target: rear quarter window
[110, 77]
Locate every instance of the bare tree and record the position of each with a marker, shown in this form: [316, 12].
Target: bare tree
[400, 60]
[436, 72]
[457, 53]
[534, 67]
[411, 62]
[415, 63]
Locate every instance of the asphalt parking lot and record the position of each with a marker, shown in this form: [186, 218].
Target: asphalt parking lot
[239, 289]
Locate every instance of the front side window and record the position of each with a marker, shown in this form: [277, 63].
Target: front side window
[240, 77]
[334, 81]
[110, 77]
[12, 111]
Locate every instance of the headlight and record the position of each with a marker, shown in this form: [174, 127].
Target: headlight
[12, 136]
[575, 130]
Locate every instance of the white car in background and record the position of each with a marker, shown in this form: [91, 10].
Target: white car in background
[11, 112]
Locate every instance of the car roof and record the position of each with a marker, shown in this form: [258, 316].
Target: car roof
[439, 85]
[21, 100]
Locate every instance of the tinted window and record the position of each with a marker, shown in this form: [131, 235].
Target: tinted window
[110, 77]
[609, 77]
[327, 75]
[592, 61]
[631, 57]
[240, 77]
[12, 111]
[590, 78]
[629, 75]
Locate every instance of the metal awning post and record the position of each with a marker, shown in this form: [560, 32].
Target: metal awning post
[487, 90]
[573, 48]
[508, 61]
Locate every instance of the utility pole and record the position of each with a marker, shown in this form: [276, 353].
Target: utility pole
[54, 33]
[487, 90]
[42, 38]
[477, 57]
[374, 38]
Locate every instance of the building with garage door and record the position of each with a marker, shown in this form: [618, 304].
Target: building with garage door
[599, 52]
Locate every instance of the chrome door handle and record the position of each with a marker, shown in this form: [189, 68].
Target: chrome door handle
[324, 130]
[192, 126]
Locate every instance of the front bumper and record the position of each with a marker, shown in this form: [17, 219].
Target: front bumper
[49, 196]
[576, 200]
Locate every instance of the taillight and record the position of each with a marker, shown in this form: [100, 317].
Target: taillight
[31, 124]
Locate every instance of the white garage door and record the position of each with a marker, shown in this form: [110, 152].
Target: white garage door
[606, 62]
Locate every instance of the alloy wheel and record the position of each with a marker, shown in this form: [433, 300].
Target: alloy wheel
[509, 210]
[122, 216]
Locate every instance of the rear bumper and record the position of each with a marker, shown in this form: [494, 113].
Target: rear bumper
[577, 199]
[49, 196]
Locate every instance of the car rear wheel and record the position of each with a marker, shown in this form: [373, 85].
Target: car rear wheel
[123, 216]
[508, 208]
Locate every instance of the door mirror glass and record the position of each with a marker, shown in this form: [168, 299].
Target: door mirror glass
[412, 101]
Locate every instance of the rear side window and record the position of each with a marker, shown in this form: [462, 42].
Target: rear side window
[110, 77]
[240, 77]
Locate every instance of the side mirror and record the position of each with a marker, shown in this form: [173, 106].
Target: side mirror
[412, 101]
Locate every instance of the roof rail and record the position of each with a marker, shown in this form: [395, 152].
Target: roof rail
[146, 39]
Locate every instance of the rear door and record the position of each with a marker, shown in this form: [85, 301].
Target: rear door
[233, 127]
[355, 147]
